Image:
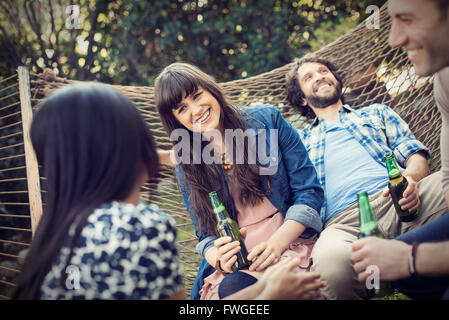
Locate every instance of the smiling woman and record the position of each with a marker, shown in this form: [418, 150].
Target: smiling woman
[273, 210]
[199, 111]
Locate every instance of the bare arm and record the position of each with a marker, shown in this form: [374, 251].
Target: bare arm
[289, 231]
[211, 256]
[165, 157]
[392, 258]
[417, 166]
[432, 259]
[281, 282]
[269, 252]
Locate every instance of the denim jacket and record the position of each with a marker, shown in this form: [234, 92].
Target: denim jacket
[295, 190]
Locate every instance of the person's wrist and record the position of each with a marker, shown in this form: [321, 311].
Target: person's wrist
[412, 259]
[266, 294]
[402, 269]
[218, 267]
[278, 245]
[259, 289]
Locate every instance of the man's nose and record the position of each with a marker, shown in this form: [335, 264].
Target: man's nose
[397, 36]
[318, 79]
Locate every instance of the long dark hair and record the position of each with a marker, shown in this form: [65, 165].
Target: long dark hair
[180, 80]
[92, 144]
[295, 95]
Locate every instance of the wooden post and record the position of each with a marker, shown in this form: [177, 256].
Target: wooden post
[32, 169]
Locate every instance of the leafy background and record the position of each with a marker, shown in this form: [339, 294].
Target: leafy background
[128, 42]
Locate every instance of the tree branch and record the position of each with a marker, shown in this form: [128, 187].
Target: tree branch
[100, 7]
[20, 51]
[36, 27]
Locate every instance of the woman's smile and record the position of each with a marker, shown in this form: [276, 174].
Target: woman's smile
[204, 118]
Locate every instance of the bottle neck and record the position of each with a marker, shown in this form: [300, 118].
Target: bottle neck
[392, 168]
[367, 220]
[220, 212]
[218, 207]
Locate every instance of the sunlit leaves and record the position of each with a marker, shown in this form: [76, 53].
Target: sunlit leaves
[130, 41]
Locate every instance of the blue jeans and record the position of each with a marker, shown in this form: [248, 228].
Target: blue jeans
[420, 287]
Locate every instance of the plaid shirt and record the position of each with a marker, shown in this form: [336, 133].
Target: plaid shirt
[377, 128]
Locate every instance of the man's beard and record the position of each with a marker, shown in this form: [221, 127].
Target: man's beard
[324, 102]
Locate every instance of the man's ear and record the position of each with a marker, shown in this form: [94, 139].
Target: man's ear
[303, 102]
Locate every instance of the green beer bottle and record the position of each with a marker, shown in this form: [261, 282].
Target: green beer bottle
[397, 186]
[368, 228]
[226, 227]
[368, 224]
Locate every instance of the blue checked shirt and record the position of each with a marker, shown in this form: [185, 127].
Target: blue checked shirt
[377, 128]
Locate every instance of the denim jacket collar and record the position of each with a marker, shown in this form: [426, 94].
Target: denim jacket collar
[252, 122]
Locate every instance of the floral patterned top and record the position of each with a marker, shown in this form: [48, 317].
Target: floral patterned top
[123, 252]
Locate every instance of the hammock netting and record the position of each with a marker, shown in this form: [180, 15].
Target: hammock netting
[371, 71]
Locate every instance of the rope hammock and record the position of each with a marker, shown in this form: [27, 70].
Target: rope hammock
[371, 72]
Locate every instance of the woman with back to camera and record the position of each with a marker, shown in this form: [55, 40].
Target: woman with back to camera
[96, 152]
[95, 240]
[276, 203]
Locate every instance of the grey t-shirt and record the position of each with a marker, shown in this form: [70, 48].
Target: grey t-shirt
[441, 94]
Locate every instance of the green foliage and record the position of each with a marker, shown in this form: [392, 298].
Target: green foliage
[396, 295]
[128, 42]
